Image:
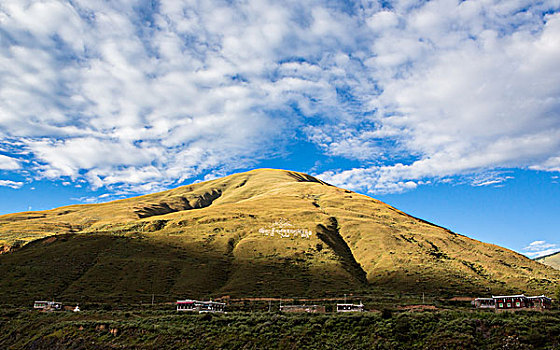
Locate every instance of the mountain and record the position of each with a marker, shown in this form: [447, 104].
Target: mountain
[260, 233]
[550, 260]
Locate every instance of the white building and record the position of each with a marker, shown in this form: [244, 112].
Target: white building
[200, 306]
[47, 305]
[350, 307]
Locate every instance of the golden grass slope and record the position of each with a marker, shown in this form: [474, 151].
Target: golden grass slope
[270, 232]
[551, 260]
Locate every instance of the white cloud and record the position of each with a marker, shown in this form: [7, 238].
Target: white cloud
[137, 97]
[540, 248]
[471, 89]
[382, 20]
[8, 163]
[11, 184]
[136, 109]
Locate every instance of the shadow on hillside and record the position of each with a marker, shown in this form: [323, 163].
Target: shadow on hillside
[107, 268]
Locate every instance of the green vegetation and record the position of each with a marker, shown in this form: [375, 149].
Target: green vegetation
[169, 330]
[247, 235]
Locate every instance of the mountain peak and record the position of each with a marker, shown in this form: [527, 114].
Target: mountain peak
[279, 174]
[264, 232]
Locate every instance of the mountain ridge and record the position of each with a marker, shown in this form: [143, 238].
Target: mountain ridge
[265, 232]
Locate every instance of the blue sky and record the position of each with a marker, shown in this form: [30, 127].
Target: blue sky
[449, 110]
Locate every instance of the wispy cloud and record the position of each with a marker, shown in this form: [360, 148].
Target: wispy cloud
[11, 184]
[136, 96]
[540, 248]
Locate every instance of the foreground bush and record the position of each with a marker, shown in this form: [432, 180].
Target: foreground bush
[167, 330]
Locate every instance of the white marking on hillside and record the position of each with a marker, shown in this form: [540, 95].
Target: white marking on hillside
[284, 229]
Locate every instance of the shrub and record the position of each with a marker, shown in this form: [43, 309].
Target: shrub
[386, 314]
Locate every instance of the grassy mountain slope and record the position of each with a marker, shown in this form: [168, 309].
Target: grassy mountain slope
[265, 232]
[550, 260]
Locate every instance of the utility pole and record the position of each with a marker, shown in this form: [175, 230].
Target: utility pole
[152, 289]
[423, 298]
[269, 305]
[344, 298]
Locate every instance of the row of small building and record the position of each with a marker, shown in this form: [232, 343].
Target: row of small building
[513, 302]
[505, 302]
[498, 303]
[210, 306]
[214, 306]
